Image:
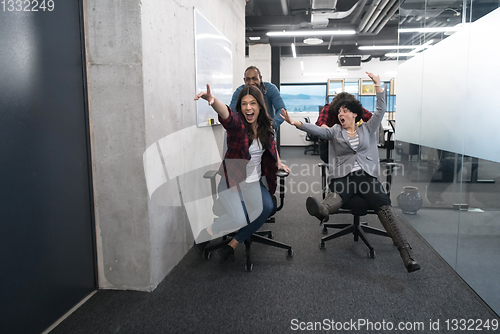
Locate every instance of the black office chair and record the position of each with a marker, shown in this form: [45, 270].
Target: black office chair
[388, 143]
[358, 207]
[263, 237]
[314, 147]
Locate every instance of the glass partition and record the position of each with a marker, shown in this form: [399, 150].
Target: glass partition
[446, 134]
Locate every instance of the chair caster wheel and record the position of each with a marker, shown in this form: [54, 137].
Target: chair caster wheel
[290, 253]
[322, 245]
[206, 255]
[270, 236]
[325, 230]
[371, 254]
[249, 268]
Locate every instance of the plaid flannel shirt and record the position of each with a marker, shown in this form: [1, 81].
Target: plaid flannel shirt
[238, 155]
[330, 119]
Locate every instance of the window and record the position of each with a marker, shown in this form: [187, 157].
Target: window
[303, 97]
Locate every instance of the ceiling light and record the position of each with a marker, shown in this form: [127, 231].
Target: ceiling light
[388, 47]
[313, 41]
[254, 38]
[395, 54]
[293, 51]
[310, 32]
[423, 30]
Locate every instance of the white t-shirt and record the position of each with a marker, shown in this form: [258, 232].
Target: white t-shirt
[253, 168]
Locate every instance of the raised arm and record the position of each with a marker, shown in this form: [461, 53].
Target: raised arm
[219, 107]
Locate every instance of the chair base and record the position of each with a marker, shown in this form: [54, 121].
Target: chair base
[358, 229]
[261, 237]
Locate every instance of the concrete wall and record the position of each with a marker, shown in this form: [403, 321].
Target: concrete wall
[141, 71]
[259, 55]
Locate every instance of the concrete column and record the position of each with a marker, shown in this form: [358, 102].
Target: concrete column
[141, 70]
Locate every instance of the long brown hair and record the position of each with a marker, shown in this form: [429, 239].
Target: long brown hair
[265, 131]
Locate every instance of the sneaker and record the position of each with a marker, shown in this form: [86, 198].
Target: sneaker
[225, 253]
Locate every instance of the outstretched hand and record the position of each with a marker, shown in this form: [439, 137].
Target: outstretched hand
[286, 117]
[206, 96]
[375, 78]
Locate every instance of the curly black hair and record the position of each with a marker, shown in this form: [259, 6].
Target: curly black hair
[355, 107]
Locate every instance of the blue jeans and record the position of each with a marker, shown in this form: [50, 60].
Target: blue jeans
[253, 201]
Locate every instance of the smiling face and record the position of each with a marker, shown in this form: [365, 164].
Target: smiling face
[250, 108]
[346, 118]
[252, 77]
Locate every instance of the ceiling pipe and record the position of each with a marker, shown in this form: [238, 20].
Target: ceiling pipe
[361, 5]
[284, 7]
[375, 15]
[367, 15]
[381, 16]
[387, 18]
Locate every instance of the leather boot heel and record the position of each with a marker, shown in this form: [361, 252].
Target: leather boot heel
[410, 263]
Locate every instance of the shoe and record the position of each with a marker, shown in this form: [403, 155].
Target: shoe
[225, 253]
[330, 205]
[200, 247]
[391, 225]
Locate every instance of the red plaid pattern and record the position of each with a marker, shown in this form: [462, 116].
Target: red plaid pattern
[238, 155]
[330, 119]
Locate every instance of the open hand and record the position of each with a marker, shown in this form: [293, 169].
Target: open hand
[375, 78]
[286, 117]
[284, 167]
[206, 96]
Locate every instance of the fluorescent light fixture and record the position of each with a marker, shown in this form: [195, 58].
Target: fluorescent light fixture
[388, 47]
[293, 51]
[423, 30]
[313, 41]
[310, 33]
[254, 38]
[395, 54]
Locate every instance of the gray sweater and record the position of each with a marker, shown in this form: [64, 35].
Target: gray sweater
[342, 156]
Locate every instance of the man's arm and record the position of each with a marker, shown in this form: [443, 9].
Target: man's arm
[277, 102]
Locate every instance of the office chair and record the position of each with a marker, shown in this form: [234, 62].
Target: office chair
[358, 207]
[388, 143]
[314, 147]
[263, 237]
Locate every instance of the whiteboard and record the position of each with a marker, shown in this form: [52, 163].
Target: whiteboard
[214, 66]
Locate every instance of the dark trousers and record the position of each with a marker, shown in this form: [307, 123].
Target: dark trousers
[362, 184]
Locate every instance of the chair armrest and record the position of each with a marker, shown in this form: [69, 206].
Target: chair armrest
[281, 174]
[210, 174]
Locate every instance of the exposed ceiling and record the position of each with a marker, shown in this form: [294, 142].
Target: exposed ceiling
[375, 22]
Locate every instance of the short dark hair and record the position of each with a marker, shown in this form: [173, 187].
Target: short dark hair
[339, 100]
[355, 107]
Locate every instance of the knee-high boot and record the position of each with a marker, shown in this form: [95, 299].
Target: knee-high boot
[388, 220]
[321, 210]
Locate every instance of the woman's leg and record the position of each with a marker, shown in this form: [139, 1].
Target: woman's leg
[259, 204]
[341, 190]
[373, 192]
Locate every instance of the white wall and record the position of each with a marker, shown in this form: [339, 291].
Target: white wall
[322, 68]
[259, 55]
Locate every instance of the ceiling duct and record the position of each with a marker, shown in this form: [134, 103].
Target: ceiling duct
[324, 10]
[368, 15]
[375, 15]
[381, 17]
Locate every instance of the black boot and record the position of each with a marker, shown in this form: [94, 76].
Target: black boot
[202, 240]
[388, 220]
[330, 204]
[225, 253]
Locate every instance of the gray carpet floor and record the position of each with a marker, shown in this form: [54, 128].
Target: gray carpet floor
[339, 284]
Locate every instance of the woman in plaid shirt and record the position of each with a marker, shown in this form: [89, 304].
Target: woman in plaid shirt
[251, 154]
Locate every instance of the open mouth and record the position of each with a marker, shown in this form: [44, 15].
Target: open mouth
[342, 120]
[250, 116]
